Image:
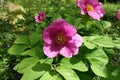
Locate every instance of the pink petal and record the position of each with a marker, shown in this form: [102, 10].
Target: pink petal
[66, 52]
[94, 15]
[118, 15]
[62, 26]
[92, 2]
[37, 19]
[50, 51]
[69, 30]
[77, 40]
[47, 36]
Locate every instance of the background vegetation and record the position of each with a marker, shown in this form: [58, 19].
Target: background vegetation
[10, 28]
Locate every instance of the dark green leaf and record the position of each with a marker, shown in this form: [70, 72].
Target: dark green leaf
[34, 38]
[35, 51]
[49, 76]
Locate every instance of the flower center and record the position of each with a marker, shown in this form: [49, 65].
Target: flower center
[89, 7]
[60, 39]
[40, 17]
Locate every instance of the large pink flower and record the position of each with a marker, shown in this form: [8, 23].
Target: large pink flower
[91, 7]
[61, 38]
[40, 17]
[118, 14]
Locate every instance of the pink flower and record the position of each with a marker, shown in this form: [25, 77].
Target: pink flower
[41, 16]
[61, 38]
[118, 14]
[91, 7]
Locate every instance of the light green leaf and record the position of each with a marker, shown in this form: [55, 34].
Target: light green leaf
[98, 60]
[106, 24]
[89, 44]
[67, 73]
[103, 41]
[22, 40]
[32, 75]
[34, 38]
[32, 68]
[49, 76]
[74, 63]
[26, 64]
[17, 49]
[93, 41]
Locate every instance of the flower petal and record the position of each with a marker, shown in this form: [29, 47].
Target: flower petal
[50, 51]
[77, 40]
[66, 52]
[118, 14]
[91, 2]
[37, 19]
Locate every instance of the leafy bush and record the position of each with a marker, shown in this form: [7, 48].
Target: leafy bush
[95, 59]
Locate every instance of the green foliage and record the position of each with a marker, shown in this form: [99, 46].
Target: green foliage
[94, 61]
[74, 63]
[98, 60]
[94, 41]
[67, 73]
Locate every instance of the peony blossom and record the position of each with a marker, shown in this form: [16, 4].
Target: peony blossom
[118, 15]
[41, 16]
[61, 38]
[91, 7]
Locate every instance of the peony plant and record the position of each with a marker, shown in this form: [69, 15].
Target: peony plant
[91, 7]
[61, 47]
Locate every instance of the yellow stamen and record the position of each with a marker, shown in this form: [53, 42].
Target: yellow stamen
[89, 7]
[40, 17]
[60, 39]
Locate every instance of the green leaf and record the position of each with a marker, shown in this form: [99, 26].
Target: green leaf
[32, 75]
[116, 72]
[106, 24]
[73, 21]
[117, 43]
[98, 60]
[17, 49]
[34, 38]
[32, 68]
[85, 75]
[26, 64]
[103, 41]
[35, 51]
[22, 40]
[67, 73]
[89, 44]
[42, 67]
[74, 63]
[50, 76]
